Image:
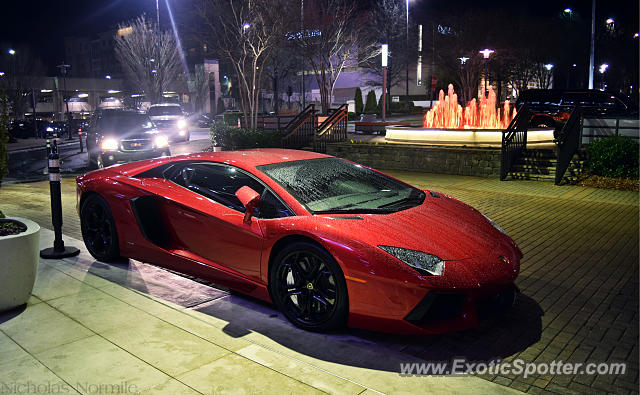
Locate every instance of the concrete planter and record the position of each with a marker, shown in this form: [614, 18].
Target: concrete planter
[18, 264]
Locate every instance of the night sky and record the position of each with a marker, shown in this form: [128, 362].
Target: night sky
[43, 24]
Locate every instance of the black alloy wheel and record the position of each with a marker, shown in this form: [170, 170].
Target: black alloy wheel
[99, 229]
[308, 286]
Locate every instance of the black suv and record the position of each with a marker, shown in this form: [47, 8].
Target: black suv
[118, 136]
[550, 106]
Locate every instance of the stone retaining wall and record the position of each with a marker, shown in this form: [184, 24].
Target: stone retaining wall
[463, 161]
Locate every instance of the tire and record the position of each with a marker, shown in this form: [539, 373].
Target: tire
[308, 286]
[99, 229]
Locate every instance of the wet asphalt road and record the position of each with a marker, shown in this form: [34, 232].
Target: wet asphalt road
[75, 162]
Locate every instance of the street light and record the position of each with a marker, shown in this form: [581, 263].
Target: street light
[602, 69]
[385, 59]
[463, 59]
[407, 49]
[107, 76]
[485, 54]
[548, 66]
[11, 51]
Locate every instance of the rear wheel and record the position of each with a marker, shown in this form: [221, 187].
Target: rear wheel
[99, 229]
[308, 286]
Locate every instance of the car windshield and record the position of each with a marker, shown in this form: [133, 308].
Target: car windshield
[332, 185]
[126, 123]
[164, 110]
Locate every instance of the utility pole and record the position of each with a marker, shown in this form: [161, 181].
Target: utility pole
[593, 43]
[302, 37]
[407, 60]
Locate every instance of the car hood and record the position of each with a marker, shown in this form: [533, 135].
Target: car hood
[442, 226]
[165, 117]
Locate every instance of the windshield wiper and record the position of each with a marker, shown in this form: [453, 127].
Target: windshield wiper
[355, 211]
[407, 200]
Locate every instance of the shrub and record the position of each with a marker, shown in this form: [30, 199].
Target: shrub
[232, 138]
[371, 107]
[358, 99]
[4, 137]
[614, 156]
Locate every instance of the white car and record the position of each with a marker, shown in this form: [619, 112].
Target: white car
[170, 120]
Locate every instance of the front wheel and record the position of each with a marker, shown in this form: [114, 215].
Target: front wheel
[99, 229]
[308, 286]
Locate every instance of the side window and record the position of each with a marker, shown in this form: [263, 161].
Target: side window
[216, 182]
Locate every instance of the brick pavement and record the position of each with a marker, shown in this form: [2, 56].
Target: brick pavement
[579, 277]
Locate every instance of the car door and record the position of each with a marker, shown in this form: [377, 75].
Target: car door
[209, 220]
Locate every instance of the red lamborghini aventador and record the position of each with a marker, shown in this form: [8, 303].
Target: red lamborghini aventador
[328, 241]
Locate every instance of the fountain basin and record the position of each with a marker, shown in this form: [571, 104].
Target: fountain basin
[460, 137]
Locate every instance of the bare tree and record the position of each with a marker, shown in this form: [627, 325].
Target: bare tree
[149, 57]
[23, 72]
[334, 38]
[244, 32]
[388, 26]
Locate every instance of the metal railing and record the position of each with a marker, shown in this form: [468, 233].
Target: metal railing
[300, 131]
[273, 122]
[514, 141]
[333, 129]
[568, 142]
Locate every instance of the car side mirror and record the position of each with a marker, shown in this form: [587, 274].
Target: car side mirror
[250, 199]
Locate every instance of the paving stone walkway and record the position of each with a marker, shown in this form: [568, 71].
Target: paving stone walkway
[579, 283]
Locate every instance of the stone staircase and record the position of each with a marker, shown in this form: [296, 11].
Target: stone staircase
[540, 165]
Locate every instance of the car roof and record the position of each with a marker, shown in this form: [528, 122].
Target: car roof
[245, 159]
[255, 157]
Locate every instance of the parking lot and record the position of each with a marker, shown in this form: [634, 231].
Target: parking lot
[578, 283]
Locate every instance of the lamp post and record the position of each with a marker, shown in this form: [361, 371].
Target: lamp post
[407, 60]
[593, 43]
[158, 14]
[385, 57]
[63, 69]
[485, 54]
[302, 37]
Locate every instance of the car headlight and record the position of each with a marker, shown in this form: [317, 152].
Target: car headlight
[161, 142]
[109, 144]
[182, 124]
[426, 264]
[494, 224]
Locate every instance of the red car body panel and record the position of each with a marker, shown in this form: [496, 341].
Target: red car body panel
[480, 261]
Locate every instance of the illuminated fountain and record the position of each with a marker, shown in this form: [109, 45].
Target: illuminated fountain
[480, 123]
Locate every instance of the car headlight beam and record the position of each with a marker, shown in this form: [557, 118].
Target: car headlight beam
[182, 124]
[109, 144]
[425, 264]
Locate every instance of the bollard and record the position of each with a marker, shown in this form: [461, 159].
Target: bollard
[58, 251]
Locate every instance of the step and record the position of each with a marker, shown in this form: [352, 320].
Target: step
[532, 177]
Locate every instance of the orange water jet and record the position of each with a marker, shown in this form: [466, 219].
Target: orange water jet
[448, 114]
